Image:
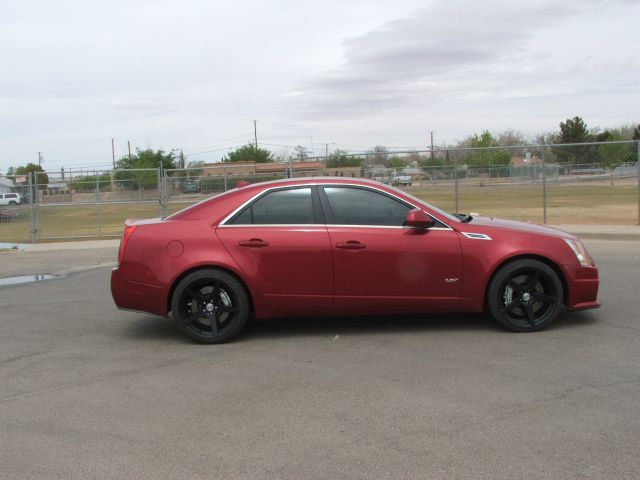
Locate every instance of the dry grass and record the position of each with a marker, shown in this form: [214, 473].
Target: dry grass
[584, 204]
[576, 204]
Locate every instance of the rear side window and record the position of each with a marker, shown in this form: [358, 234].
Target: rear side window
[281, 207]
[358, 206]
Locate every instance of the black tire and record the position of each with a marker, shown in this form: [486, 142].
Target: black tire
[525, 295]
[12, 203]
[210, 305]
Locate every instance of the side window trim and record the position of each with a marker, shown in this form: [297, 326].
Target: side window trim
[317, 213]
[331, 219]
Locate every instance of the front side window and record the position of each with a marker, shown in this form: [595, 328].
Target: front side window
[281, 207]
[357, 206]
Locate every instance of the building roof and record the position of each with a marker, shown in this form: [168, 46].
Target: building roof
[520, 161]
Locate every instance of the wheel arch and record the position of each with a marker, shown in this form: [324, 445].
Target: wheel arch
[528, 256]
[214, 266]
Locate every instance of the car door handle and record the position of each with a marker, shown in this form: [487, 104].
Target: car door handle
[351, 245]
[253, 243]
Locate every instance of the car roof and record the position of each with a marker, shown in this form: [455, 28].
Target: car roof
[314, 180]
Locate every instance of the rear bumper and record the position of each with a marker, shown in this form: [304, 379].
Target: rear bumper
[137, 296]
[582, 283]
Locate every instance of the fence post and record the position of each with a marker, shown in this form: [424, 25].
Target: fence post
[159, 187]
[225, 181]
[32, 217]
[544, 189]
[98, 204]
[638, 181]
[455, 179]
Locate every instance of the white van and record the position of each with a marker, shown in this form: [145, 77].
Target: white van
[11, 199]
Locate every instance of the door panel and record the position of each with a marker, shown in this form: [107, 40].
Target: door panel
[291, 266]
[401, 267]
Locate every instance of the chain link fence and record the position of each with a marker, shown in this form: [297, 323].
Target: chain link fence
[594, 183]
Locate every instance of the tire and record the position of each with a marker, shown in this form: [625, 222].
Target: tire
[12, 203]
[210, 305]
[525, 295]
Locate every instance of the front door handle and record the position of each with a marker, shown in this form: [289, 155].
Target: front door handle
[253, 243]
[351, 245]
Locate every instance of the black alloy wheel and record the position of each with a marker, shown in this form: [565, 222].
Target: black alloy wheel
[525, 295]
[210, 305]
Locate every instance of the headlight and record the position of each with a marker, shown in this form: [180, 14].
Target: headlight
[581, 253]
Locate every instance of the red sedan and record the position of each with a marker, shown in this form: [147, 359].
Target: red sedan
[321, 246]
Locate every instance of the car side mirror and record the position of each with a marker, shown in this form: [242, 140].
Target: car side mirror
[416, 218]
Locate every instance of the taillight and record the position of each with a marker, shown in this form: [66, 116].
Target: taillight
[128, 230]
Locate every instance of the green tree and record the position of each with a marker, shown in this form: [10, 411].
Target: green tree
[88, 183]
[41, 178]
[148, 158]
[574, 130]
[486, 155]
[396, 162]
[249, 153]
[140, 170]
[341, 158]
[613, 154]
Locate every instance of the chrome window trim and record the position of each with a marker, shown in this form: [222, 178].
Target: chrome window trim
[223, 223]
[325, 226]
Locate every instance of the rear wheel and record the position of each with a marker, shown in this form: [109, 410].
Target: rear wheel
[210, 305]
[525, 295]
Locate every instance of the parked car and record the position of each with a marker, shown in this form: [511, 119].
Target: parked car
[402, 180]
[319, 246]
[11, 199]
[191, 186]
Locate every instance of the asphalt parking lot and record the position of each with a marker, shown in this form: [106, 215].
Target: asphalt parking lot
[88, 391]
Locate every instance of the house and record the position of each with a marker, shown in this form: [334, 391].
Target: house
[528, 159]
[300, 169]
[6, 185]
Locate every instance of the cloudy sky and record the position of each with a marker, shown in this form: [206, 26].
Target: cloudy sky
[194, 74]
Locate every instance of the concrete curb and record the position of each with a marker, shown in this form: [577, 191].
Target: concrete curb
[603, 232]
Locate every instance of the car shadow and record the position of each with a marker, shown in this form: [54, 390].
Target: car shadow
[575, 319]
[154, 328]
[366, 325]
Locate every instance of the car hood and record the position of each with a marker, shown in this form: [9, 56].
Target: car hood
[517, 226]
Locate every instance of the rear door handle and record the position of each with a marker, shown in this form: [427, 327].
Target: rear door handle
[253, 243]
[351, 245]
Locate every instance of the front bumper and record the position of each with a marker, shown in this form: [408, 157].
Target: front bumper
[582, 284]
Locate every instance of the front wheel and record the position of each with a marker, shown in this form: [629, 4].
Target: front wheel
[210, 305]
[525, 295]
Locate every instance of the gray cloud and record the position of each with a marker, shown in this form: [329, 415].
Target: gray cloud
[451, 50]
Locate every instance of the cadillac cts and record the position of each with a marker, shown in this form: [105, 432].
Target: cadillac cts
[319, 246]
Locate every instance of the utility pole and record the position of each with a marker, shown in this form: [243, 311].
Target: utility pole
[129, 146]
[255, 132]
[326, 152]
[181, 159]
[40, 159]
[113, 153]
[431, 133]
